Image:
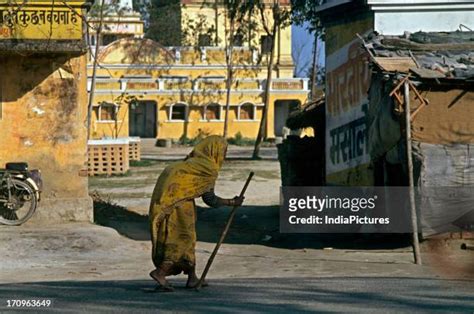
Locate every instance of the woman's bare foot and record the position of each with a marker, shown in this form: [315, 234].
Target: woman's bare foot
[161, 280]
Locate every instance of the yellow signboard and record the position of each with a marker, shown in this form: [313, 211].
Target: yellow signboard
[40, 22]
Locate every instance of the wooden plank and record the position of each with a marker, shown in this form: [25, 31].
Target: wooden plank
[396, 64]
[427, 73]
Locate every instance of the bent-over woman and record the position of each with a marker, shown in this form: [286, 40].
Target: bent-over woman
[173, 212]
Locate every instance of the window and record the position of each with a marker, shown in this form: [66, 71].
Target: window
[178, 112]
[106, 112]
[238, 40]
[204, 40]
[247, 112]
[108, 38]
[266, 44]
[212, 112]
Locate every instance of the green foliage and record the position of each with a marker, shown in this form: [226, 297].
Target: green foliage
[165, 22]
[125, 174]
[305, 11]
[142, 163]
[110, 7]
[240, 140]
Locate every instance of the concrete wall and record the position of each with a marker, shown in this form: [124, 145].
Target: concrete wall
[397, 22]
[44, 104]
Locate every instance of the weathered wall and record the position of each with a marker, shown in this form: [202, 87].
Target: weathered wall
[448, 119]
[43, 123]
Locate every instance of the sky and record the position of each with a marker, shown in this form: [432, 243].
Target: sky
[303, 41]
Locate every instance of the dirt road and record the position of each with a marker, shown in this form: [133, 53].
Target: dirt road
[104, 266]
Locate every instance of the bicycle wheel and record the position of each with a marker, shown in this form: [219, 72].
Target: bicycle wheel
[22, 206]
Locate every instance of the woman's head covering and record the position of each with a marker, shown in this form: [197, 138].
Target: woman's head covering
[192, 177]
[213, 148]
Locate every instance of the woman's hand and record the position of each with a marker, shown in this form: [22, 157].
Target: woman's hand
[237, 201]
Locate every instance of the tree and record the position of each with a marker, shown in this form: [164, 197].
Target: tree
[305, 11]
[165, 22]
[280, 18]
[236, 10]
[94, 69]
[298, 57]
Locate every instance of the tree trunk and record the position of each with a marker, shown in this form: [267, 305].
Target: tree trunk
[314, 74]
[263, 122]
[230, 70]
[94, 71]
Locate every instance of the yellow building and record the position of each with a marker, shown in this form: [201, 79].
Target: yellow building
[119, 21]
[43, 101]
[147, 90]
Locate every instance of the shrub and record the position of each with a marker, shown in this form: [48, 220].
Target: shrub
[240, 140]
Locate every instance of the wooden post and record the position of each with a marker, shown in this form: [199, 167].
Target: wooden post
[414, 219]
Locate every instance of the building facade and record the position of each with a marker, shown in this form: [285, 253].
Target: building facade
[119, 21]
[43, 102]
[147, 90]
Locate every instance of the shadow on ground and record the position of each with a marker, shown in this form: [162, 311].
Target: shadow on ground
[252, 225]
[284, 295]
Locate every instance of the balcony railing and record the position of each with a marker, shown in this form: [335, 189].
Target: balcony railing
[205, 55]
[198, 85]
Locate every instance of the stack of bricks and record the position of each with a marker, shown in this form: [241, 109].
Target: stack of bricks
[134, 148]
[108, 157]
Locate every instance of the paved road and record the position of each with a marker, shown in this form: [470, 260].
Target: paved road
[254, 295]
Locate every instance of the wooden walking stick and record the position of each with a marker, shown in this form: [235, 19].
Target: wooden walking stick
[223, 235]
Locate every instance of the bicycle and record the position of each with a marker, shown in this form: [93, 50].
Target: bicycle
[20, 193]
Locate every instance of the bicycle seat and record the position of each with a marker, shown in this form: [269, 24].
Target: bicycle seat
[16, 166]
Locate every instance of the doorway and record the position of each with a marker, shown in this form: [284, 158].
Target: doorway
[283, 108]
[142, 119]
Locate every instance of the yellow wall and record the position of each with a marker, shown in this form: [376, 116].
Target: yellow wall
[130, 57]
[203, 17]
[40, 20]
[176, 129]
[44, 104]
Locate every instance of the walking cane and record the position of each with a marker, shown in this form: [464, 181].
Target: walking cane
[223, 235]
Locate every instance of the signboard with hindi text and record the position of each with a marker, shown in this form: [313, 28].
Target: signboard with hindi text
[35, 20]
[347, 81]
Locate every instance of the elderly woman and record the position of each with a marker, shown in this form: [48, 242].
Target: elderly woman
[173, 212]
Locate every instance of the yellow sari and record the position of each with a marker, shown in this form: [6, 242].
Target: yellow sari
[172, 209]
